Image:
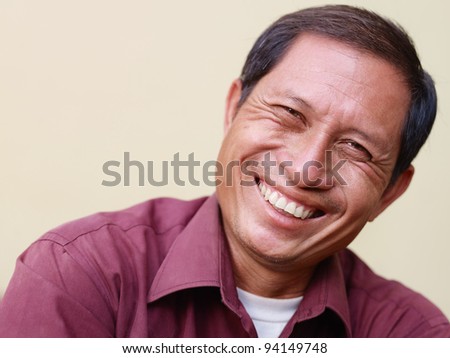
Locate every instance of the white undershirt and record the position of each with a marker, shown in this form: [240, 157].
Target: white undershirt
[269, 315]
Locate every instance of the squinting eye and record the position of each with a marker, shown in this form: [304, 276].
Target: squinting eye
[354, 150]
[293, 112]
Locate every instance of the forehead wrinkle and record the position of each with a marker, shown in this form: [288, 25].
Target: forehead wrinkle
[305, 103]
[346, 77]
[337, 89]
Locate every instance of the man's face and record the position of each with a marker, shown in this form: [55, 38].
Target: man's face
[322, 96]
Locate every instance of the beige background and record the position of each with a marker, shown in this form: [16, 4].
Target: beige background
[82, 82]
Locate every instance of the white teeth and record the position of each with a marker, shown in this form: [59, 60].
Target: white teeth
[280, 202]
[298, 212]
[263, 189]
[273, 197]
[290, 208]
[267, 195]
[305, 214]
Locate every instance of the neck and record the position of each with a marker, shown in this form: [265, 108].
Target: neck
[267, 278]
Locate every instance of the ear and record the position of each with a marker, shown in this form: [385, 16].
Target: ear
[232, 102]
[393, 192]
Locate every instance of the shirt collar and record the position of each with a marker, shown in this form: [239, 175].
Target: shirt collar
[194, 258]
[199, 257]
[327, 290]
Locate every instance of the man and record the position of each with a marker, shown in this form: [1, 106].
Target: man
[331, 108]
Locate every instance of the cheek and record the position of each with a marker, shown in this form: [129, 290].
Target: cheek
[247, 139]
[362, 188]
[366, 176]
[362, 196]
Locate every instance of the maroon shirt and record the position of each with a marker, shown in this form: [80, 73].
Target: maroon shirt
[162, 269]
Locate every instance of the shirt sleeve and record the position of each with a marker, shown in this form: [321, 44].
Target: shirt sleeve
[421, 319]
[434, 327]
[52, 295]
[441, 330]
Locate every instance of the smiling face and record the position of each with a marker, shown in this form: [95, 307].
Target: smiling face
[322, 96]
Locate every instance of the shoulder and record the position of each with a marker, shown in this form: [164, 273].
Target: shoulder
[89, 272]
[130, 235]
[386, 308]
[120, 242]
[159, 215]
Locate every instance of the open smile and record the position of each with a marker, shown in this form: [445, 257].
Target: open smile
[285, 205]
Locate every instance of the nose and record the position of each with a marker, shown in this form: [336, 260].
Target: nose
[307, 161]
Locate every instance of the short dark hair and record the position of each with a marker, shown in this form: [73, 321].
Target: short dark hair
[366, 31]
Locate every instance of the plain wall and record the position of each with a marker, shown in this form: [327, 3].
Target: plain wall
[82, 82]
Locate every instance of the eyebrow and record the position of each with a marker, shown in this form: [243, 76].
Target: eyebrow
[298, 100]
[366, 136]
[375, 139]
